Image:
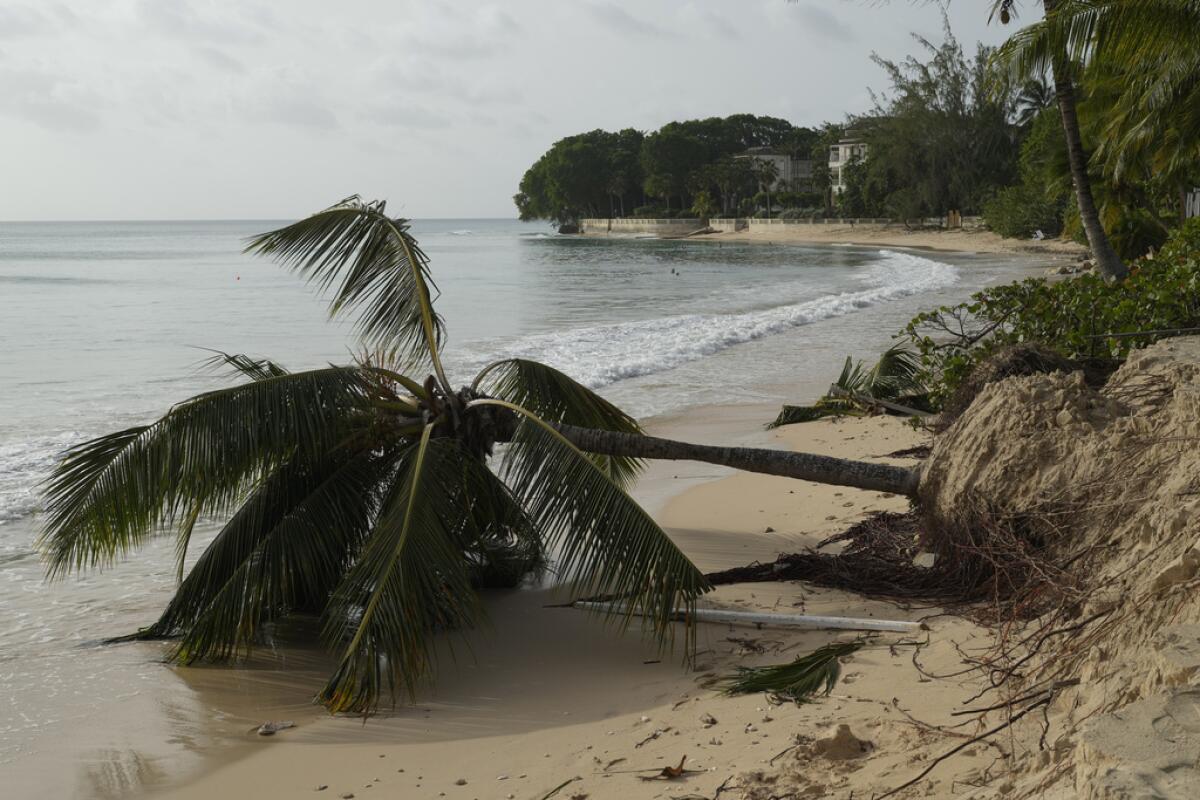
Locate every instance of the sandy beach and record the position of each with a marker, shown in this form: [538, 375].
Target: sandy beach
[550, 696]
[978, 241]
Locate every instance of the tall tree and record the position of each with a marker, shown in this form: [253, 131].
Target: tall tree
[1058, 58]
[939, 138]
[1141, 55]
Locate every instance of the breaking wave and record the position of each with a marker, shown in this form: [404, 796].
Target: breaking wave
[604, 354]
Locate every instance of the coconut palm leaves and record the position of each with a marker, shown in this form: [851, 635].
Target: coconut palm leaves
[1146, 49]
[109, 494]
[373, 265]
[363, 494]
[798, 681]
[555, 397]
[896, 376]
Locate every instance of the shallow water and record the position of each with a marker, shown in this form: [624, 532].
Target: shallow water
[99, 325]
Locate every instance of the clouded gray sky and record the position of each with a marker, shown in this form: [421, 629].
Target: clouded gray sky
[198, 109]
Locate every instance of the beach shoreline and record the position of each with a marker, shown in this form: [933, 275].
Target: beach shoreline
[868, 235]
[518, 710]
[187, 731]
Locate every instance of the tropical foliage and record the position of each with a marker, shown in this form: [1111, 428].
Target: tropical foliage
[658, 174]
[896, 377]
[365, 493]
[941, 138]
[1084, 318]
[1127, 73]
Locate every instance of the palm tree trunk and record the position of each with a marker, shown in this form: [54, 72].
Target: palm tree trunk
[1108, 263]
[802, 466]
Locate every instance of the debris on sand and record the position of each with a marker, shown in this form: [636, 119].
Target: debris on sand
[841, 746]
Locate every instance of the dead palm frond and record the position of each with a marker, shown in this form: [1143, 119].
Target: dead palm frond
[796, 682]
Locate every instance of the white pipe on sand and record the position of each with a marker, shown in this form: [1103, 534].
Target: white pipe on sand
[777, 620]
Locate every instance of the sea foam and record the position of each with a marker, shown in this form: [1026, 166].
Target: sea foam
[604, 354]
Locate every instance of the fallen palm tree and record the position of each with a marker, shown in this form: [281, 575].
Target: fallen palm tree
[368, 494]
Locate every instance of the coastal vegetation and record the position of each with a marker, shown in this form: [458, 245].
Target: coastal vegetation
[661, 173]
[1082, 124]
[1086, 320]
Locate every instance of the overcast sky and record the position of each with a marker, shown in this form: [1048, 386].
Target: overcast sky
[228, 109]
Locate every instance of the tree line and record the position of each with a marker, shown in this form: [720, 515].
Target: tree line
[630, 172]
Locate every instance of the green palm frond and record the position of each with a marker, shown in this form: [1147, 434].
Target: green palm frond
[1119, 31]
[375, 268]
[109, 494]
[285, 549]
[895, 374]
[556, 397]
[256, 369]
[796, 682]
[409, 581]
[501, 542]
[604, 542]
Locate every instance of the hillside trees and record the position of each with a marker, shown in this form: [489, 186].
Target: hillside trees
[608, 174]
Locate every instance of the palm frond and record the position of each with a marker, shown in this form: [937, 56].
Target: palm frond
[895, 374]
[796, 682]
[603, 541]
[284, 549]
[556, 397]
[256, 369]
[375, 268]
[792, 415]
[501, 542]
[409, 581]
[109, 494]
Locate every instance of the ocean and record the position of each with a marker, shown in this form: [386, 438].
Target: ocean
[104, 325]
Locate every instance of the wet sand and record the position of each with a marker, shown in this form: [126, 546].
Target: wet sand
[546, 695]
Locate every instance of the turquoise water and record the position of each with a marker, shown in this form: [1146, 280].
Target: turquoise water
[100, 325]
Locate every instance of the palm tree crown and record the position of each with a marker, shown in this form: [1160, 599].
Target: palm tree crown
[364, 494]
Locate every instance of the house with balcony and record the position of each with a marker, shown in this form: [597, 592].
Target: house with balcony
[794, 174]
[850, 147]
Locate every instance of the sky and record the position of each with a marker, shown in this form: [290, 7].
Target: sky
[248, 109]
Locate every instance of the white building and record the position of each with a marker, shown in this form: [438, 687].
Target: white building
[849, 148]
[794, 174]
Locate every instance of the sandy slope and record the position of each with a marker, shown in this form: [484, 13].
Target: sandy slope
[548, 695]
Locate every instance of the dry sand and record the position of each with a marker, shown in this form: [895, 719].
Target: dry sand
[979, 241]
[544, 696]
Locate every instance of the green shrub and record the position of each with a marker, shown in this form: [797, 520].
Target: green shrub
[1071, 316]
[1019, 211]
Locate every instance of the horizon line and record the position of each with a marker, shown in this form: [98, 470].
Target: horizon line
[234, 219]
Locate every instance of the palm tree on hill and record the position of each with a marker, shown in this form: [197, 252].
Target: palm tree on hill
[372, 497]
